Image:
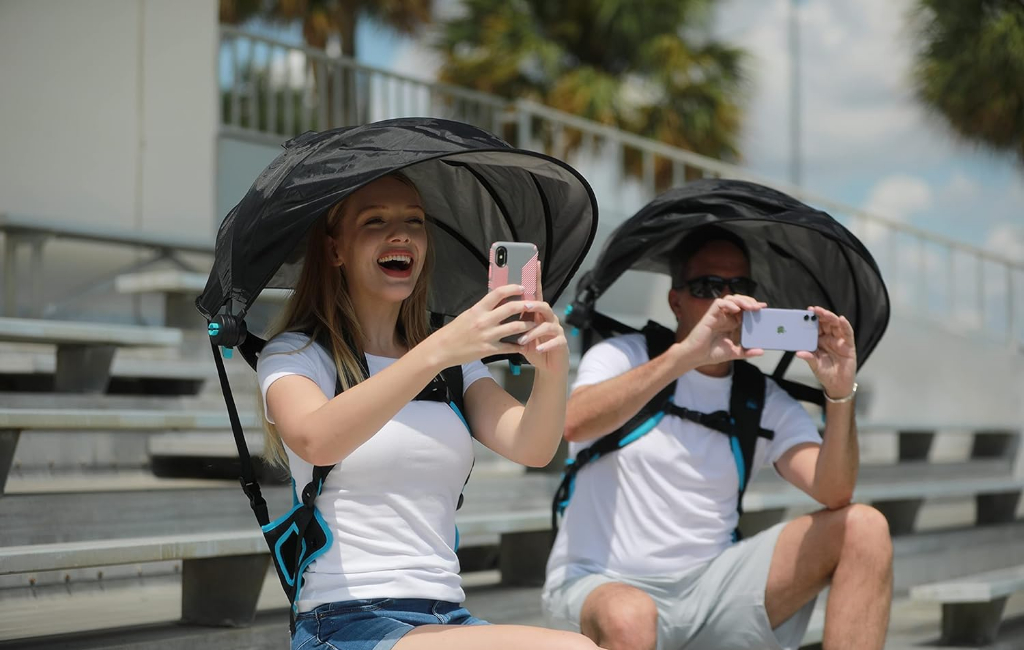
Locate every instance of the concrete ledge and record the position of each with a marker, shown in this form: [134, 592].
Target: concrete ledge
[32, 330]
[96, 419]
[978, 588]
[972, 606]
[177, 281]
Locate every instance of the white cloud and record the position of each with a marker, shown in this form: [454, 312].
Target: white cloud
[1007, 239]
[857, 109]
[418, 60]
[961, 188]
[899, 197]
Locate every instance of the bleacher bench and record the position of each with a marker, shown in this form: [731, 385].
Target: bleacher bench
[222, 572]
[34, 372]
[85, 351]
[15, 420]
[972, 606]
[36, 231]
[179, 290]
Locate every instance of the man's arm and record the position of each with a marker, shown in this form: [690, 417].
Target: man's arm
[598, 409]
[829, 473]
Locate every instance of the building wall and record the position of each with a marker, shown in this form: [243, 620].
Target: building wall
[108, 115]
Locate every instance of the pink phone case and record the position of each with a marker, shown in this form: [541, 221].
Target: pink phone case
[520, 267]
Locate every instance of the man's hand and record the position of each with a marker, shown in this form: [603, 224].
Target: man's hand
[715, 338]
[834, 363]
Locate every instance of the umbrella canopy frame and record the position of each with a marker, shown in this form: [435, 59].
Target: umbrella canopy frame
[800, 256]
[475, 187]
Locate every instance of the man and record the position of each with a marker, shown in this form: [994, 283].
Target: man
[645, 557]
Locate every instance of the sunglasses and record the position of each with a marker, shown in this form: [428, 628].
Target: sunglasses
[707, 287]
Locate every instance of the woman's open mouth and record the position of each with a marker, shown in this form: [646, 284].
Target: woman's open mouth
[396, 265]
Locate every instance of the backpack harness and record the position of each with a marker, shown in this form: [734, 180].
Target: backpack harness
[741, 423]
[295, 543]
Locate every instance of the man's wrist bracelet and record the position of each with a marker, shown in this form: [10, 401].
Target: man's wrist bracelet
[842, 400]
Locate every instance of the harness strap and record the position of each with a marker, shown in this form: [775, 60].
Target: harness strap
[248, 477]
[741, 423]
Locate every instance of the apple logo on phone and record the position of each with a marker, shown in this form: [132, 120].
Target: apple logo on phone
[781, 330]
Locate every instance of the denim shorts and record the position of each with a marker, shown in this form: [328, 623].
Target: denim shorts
[375, 624]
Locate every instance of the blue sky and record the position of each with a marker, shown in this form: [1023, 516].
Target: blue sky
[866, 141]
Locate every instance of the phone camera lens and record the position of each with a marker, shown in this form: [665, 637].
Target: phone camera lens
[806, 317]
[814, 317]
[499, 256]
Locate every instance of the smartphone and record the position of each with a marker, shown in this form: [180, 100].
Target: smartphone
[513, 263]
[780, 329]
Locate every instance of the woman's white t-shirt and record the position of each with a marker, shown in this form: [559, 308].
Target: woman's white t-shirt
[391, 503]
[667, 502]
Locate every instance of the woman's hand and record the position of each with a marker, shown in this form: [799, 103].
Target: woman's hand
[477, 332]
[545, 346]
[834, 363]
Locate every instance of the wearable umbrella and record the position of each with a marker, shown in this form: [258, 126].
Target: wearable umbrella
[476, 189]
[799, 255]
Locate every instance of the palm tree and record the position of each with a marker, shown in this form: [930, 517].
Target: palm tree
[969, 68]
[647, 67]
[322, 19]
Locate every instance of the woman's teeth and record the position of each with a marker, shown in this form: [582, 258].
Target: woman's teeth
[395, 262]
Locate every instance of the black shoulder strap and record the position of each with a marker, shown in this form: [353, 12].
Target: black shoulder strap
[454, 384]
[746, 404]
[659, 339]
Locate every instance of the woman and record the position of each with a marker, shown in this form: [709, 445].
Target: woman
[390, 577]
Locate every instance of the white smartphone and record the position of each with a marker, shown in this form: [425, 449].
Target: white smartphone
[791, 330]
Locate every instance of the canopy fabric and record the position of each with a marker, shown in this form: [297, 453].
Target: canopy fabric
[800, 256]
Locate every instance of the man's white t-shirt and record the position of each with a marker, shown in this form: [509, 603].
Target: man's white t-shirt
[666, 502]
[391, 503]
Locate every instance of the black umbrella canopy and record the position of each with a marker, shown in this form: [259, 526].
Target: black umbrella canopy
[800, 256]
[476, 189]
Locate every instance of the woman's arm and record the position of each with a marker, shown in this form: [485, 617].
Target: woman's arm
[323, 430]
[527, 434]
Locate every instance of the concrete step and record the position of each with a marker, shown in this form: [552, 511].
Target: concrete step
[126, 616]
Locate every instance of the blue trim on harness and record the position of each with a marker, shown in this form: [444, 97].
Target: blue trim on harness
[459, 413]
[294, 529]
[737, 454]
[643, 428]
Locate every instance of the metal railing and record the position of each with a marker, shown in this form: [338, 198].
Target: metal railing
[272, 90]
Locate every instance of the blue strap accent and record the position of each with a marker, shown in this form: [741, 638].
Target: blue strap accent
[737, 454]
[456, 538]
[459, 413]
[213, 329]
[227, 352]
[514, 367]
[564, 503]
[292, 530]
[642, 429]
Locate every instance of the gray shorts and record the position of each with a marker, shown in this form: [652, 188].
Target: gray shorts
[716, 605]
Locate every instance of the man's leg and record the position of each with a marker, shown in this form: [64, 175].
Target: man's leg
[851, 548]
[620, 617]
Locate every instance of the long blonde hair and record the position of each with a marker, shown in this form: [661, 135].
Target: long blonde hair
[322, 307]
